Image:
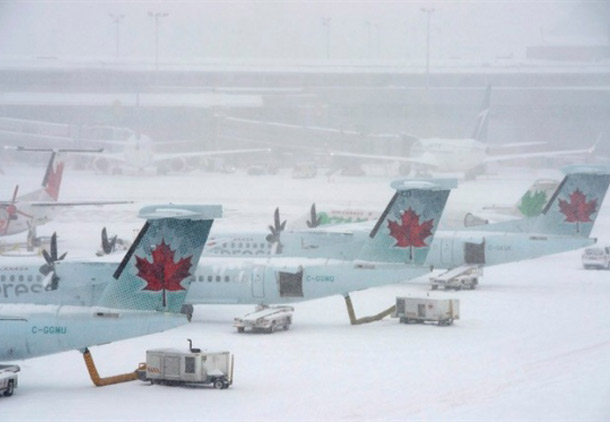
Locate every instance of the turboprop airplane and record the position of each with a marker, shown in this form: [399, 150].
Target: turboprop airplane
[392, 251]
[144, 294]
[26, 212]
[564, 224]
[530, 204]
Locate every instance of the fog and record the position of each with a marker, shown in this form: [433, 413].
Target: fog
[295, 30]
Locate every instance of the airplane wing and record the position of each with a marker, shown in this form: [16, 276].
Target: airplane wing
[504, 157]
[76, 203]
[159, 158]
[426, 159]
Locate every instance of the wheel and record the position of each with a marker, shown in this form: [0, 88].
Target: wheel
[9, 389]
[434, 287]
[219, 384]
[240, 329]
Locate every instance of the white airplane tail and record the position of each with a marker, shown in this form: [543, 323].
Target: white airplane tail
[480, 129]
[157, 268]
[404, 232]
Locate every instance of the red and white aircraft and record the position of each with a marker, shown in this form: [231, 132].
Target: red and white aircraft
[24, 212]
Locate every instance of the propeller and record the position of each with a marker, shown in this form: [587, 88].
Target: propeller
[315, 221]
[276, 230]
[48, 268]
[12, 211]
[108, 245]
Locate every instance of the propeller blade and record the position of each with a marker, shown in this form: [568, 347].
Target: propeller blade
[15, 194]
[62, 256]
[54, 247]
[47, 258]
[314, 221]
[48, 279]
[24, 214]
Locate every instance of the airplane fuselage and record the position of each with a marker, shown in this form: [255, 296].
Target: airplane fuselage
[220, 280]
[451, 155]
[37, 330]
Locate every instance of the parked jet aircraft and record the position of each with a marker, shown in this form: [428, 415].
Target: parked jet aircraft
[393, 251]
[451, 155]
[144, 295]
[138, 153]
[26, 212]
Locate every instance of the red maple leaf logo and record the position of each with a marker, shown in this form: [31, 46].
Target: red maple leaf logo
[163, 273]
[578, 210]
[409, 233]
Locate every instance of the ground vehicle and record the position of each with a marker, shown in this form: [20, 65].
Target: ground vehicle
[598, 258]
[193, 367]
[8, 379]
[266, 319]
[441, 311]
[462, 277]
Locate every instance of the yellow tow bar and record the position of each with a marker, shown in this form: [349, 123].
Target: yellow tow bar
[102, 382]
[365, 320]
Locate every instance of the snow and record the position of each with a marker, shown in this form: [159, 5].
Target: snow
[532, 342]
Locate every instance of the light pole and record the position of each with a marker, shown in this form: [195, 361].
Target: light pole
[116, 19]
[326, 24]
[428, 11]
[157, 16]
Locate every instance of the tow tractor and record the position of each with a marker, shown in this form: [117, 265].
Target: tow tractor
[188, 368]
[266, 319]
[462, 277]
[8, 379]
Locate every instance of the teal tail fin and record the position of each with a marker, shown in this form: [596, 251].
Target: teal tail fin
[156, 271]
[575, 205]
[405, 230]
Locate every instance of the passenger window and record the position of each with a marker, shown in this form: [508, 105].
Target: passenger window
[248, 245]
[218, 278]
[12, 278]
[210, 278]
[227, 278]
[2, 277]
[200, 278]
[30, 278]
[38, 277]
[21, 278]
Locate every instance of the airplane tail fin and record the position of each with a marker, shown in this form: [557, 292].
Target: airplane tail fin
[480, 129]
[535, 198]
[404, 232]
[156, 270]
[51, 181]
[572, 209]
[576, 203]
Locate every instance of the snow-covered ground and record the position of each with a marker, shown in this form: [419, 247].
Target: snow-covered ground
[532, 343]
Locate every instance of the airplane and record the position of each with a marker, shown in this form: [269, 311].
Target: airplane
[333, 260]
[468, 156]
[138, 154]
[564, 224]
[25, 212]
[144, 294]
[393, 251]
[530, 204]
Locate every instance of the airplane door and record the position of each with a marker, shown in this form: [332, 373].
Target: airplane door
[447, 251]
[258, 281]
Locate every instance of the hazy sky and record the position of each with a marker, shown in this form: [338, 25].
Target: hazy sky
[294, 29]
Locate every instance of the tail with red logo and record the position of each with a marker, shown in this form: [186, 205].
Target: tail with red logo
[573, 208]
[405, 230]
[157, 269]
